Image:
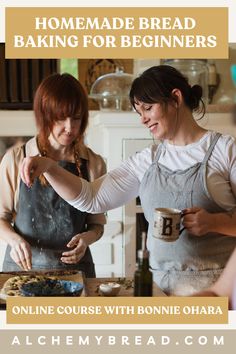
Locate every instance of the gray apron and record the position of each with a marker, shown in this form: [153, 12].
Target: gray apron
[48, 223]
[190, 263]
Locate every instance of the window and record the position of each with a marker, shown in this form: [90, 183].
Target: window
[69, 66]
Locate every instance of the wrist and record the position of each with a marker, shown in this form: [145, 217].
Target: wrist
[222, 223]
[214, 222]
[89, 237]
[97, 230]
[51, 165]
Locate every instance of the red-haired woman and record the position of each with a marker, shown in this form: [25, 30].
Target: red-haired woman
[42, 230]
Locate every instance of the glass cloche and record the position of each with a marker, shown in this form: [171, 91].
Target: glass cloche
[111, 91]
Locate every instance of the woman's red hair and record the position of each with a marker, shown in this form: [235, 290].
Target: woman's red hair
[57, 97]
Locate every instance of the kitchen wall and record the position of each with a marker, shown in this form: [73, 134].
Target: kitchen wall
[225, 94]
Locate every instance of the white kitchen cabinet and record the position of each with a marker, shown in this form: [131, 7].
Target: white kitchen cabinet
[106, 135]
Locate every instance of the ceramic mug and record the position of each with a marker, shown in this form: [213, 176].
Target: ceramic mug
[167, 224]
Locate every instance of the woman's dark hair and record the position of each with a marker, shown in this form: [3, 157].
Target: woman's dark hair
[57, 97]
[155, 85]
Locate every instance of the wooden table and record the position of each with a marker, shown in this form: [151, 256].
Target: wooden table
[91, 284]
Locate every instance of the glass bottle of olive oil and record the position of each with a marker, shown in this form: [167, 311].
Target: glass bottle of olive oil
[143, 275]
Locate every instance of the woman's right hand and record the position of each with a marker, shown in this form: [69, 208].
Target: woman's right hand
[21, 253]
[33, 167]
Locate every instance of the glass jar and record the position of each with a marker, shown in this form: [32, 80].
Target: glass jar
[195, 70]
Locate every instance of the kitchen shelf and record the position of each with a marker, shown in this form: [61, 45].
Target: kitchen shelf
[220, 108]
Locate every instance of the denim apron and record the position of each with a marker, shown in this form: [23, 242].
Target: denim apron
[48, 223]
[190, 263]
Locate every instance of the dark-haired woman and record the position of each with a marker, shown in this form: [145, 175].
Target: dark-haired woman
[42, 231]
[192, 169]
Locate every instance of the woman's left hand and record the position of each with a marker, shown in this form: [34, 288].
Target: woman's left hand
[80, 246]
[198, 221]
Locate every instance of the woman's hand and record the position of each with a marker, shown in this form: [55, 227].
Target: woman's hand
[21, 253]
[66, 184]
[80, 245]
[198, 221]
[33, 167]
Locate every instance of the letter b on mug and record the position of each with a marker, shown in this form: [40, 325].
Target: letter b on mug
[167, 224]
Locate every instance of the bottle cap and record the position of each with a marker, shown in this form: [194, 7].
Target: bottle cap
[143, 254]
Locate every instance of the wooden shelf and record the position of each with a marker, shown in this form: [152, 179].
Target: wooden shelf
[220, 108]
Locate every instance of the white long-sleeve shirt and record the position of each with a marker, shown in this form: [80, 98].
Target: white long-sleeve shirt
[10, 178]
[122, 184]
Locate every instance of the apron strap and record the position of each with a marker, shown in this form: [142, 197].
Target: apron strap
[211, 147]
[84, 169]
[24, 150]
[208, 153]
[158, 152]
